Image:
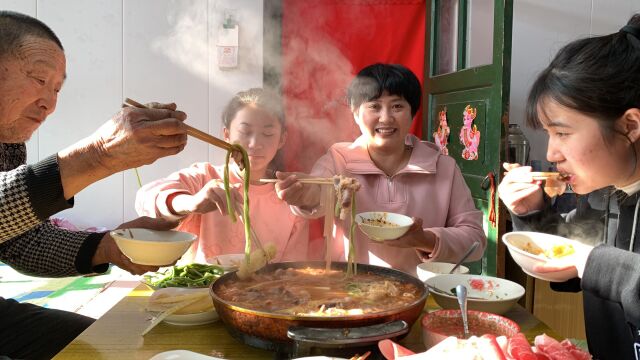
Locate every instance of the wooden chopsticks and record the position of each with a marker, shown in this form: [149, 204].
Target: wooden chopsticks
[320, 181]
[541, 175]
[190, 130]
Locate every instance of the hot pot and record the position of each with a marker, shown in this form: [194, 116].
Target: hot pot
[278, 332]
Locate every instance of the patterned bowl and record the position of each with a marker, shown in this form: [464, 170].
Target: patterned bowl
[439, 325]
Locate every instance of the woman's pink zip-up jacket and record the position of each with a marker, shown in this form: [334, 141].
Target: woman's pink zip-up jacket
[430, 187]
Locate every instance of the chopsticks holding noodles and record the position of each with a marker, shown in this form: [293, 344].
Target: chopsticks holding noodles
[320, 181]
[190, 130]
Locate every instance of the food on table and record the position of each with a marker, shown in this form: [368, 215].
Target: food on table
[181, 301]
[379, 221]
[554, 252]
[558, 251]
[191, 275]
[187, 301]
[258, 260]
[489, 347]
[316, 292]
[345, 188]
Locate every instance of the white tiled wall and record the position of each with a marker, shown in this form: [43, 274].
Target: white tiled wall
[540, 28]
[149, 50]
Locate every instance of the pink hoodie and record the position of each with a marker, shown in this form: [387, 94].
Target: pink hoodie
[271, 217]
[430, 187]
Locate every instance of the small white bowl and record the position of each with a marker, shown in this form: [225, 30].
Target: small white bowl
[521, 245]
[427, 270]
[200, 318]
[381, 225]
[152, 247]
[486, 293]
[229, 262]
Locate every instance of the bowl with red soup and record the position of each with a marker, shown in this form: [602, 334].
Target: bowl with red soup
[439, 325]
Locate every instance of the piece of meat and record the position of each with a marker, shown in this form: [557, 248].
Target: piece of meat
[390, 350]
[577, 353]
[518, 348]
[552, 348]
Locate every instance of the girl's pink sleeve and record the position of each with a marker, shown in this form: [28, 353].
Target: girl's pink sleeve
[151, 199]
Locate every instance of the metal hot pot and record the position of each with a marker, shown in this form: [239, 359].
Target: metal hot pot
[296, 335]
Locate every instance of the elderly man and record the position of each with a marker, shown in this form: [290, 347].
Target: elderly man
[32, 72]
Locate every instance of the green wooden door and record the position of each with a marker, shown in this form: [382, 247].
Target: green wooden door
[468, 72]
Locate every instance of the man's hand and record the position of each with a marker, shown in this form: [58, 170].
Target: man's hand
[108, 251]
[136, 137]
[132, 138]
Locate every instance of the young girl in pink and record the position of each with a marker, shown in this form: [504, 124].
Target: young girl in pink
[195, 195]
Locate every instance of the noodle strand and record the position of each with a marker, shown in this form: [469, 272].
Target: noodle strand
[227, 192]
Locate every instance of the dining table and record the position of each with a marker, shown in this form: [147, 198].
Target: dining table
[117, 334]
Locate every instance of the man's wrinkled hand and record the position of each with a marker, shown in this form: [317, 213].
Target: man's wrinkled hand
[108, 251]
[136, 137]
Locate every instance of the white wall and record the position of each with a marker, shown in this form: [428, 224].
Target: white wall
[148, 50]
[540, 29]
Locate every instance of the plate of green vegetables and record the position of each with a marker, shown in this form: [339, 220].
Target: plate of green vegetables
[189, 275]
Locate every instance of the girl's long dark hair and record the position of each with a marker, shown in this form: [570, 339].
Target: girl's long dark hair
[597, 76]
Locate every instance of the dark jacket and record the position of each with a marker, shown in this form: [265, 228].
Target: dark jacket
[29, 243]
[611, 281]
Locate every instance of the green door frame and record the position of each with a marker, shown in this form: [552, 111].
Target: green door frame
[488, 83]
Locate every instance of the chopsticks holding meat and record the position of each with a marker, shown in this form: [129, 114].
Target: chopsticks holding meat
[539, 175]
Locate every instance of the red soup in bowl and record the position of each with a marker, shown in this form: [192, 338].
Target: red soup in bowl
[440, 324]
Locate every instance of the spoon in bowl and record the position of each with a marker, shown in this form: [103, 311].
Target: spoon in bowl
[461, 293]
[472, 248]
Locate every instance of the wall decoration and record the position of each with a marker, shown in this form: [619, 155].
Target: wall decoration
[441, 136]
[469, 136]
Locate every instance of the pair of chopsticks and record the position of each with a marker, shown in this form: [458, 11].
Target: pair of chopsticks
[320, 181]
[541, 175]
[190, 130]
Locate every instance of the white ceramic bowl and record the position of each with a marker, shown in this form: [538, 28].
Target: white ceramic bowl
[523, 244]
[381, 225]
[152, 247]
[427, 270]
[490, 294]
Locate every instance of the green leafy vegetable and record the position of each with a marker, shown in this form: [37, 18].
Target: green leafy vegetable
[191, 275]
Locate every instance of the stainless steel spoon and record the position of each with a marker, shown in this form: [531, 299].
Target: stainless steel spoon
[472, 248]
[461, 293]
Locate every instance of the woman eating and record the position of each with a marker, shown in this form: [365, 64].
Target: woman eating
[588, 102]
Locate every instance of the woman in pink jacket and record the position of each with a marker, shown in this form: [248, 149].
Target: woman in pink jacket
[398, 173]
[195, 195]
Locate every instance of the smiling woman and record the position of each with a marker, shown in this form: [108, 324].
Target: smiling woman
[396, 171]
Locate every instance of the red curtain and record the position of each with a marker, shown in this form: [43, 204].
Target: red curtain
[324, 44]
